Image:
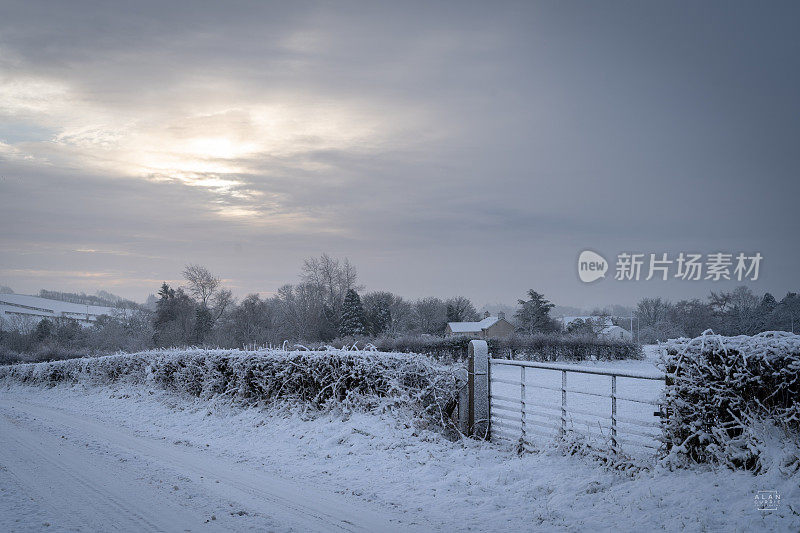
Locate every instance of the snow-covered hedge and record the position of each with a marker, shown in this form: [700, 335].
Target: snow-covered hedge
[729, 396]
[559, 347]
[315, 378]
[537, 347]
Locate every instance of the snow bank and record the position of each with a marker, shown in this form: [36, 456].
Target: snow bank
[735, 400]
[362, 379]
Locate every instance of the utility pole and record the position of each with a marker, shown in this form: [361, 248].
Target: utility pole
[637, 327]
[631, 319]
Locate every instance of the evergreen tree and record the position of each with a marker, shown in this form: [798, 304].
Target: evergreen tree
[353, 320]
[174, 319]
[581, 327]
[768, 304]
[327, 323]
[788, 312]
[67, 332]
[380, 308]
[765, 313]
[44, 329]
[203, 323]
[379, 319]
[165, 312]
[534, 314]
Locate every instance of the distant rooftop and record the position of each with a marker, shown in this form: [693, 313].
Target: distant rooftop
[471, 327]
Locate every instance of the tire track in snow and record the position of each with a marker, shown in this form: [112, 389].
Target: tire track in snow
[82, 490]
[291, 504]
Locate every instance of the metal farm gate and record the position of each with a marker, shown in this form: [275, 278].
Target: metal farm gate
[530, 402]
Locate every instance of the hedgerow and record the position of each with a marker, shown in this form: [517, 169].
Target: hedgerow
[315, 378]
[734, 400]
[556, 347]
[538, 347]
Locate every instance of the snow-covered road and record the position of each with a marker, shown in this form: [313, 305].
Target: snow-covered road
[77, 474]
[135, 458]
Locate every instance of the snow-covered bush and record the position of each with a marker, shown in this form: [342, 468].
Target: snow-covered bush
[318, 378]
[728, 397]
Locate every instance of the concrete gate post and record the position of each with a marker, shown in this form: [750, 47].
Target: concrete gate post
[478, 389]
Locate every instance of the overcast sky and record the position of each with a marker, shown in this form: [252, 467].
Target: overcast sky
[445, 148]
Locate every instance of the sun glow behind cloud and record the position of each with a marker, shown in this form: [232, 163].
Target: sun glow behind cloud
[222, 145]
[244, 157]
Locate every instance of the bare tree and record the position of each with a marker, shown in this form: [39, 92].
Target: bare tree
[220, 302]
[693, 316]
[651, 311]
[207, 288]
[254, 321]
[430, 315]
[720, 302]
[460, 309]
[402, 314]
[302, 311]
[202, 283]
[25, 324]
[332, 278]
[743, 299]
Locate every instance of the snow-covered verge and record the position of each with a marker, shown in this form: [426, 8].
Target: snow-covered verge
[735, 400]
[361, 379]
[386, 463]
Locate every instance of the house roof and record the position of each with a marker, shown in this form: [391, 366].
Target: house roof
[609, 329]
[472, 327]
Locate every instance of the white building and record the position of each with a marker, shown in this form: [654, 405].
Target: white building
[615, 333]
[17, 308]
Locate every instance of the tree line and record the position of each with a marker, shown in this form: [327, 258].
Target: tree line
[738, 312]
[328, 303]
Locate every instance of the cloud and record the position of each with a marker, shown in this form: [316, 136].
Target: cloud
[54, 273]
[253, 135]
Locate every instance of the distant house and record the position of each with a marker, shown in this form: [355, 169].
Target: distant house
[615, 333]
[489, 327]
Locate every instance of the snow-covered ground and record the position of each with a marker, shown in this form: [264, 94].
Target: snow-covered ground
[127, 458]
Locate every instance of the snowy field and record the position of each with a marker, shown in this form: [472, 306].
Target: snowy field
[127, 458]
